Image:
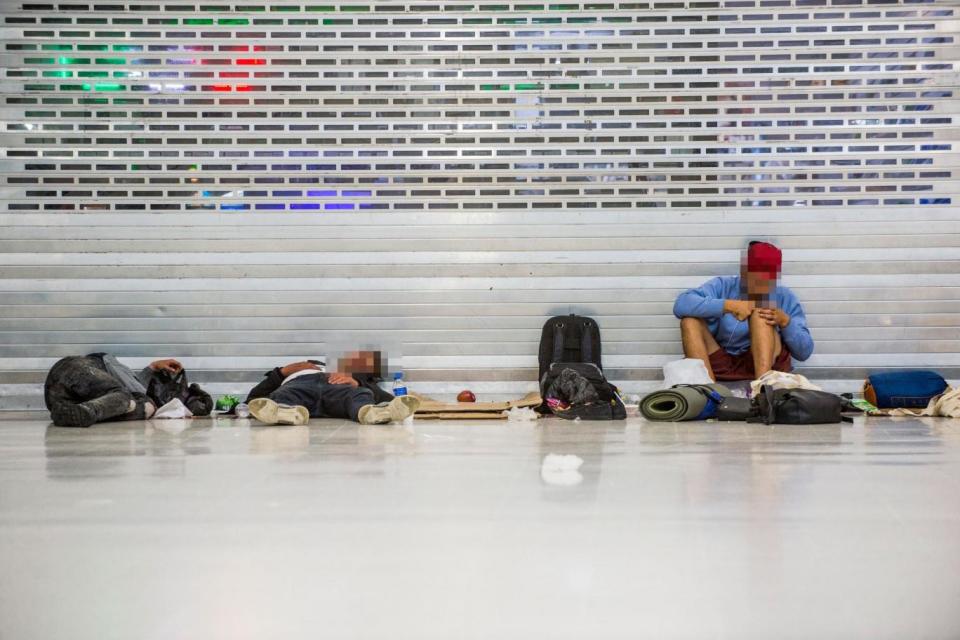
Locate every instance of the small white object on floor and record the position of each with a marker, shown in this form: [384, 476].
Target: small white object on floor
[560, 462]
[171, 427]
[561, 470]
[521, 414]
[173, 410]
[685, 371]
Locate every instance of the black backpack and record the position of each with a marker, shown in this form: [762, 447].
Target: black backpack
[569, 338]
[573, 342]
[798, 406]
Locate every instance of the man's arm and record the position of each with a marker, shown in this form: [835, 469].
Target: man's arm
[270, 383]
[170, 365]
[273, 379]
[706, 301]
[794, 332]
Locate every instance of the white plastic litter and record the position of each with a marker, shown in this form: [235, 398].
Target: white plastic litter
[172, 427]
[685, 371]
[521, 414]
[560, 462]
[172, 410]
[782, 380]
[561, 470]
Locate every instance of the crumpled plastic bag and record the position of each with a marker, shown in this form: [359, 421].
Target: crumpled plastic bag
[172, 410]
[521, 414]
[561, 470]
[573, 388]
[685, 371]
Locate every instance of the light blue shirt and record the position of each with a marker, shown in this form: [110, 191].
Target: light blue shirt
[733, 335]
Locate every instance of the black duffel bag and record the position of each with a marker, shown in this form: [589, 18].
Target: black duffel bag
[584, 388]
[798, 406]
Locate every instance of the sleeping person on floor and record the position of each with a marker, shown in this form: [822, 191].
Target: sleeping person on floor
[744, 326]
[302, 390]
[82, 390]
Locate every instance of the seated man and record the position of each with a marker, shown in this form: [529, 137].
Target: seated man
[302, 390]
[83, 390]
[742, 327]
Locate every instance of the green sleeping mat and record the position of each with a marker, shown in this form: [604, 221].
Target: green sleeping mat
[678, 403]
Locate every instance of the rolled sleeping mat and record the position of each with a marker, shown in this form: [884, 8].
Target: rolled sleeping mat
[679, 403]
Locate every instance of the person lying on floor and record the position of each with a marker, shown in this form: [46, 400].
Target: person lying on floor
[83, 390]
[302, 390]
[742, 327]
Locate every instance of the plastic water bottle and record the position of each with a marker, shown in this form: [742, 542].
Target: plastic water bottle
[242, 410]
[399, 387]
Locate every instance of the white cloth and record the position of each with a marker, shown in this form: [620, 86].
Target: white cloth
[945, 405]
[304, 372]
[686, 371]
[172, 410]
[781, 380]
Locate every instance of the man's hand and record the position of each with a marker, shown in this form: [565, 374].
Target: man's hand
[740, 308]
[294, 367]
[342, 378]
[170, 365]
[773, 317]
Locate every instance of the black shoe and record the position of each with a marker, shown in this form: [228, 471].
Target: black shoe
[74, 415]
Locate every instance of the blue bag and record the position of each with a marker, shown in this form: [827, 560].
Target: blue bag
[906, 389]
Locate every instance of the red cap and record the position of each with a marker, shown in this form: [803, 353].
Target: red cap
[763, 257]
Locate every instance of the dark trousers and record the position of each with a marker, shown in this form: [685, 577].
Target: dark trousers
[78, 380]
[324, 400]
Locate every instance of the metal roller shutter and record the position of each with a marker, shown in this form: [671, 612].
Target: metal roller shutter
[240, 184]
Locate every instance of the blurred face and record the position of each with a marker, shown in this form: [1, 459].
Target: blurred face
[759, 284]
[359, 362]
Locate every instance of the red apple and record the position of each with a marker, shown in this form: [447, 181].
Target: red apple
[466, 396]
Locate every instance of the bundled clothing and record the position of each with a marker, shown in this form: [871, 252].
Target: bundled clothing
[310, 388]
[780, 380]
[573, 388]
[82, 390]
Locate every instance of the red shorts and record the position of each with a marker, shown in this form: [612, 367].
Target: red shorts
[730, 367]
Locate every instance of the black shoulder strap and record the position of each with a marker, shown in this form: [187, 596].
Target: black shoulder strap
[586, 342]
[557, 342]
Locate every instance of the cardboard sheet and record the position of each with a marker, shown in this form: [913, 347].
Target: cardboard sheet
[462, 415]
[474, 410]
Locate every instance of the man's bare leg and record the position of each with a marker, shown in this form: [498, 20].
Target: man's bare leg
[698, 342]
[764, 344]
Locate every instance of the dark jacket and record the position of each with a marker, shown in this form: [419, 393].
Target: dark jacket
[274, 378]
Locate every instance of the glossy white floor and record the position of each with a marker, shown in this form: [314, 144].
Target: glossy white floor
[453, 530]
